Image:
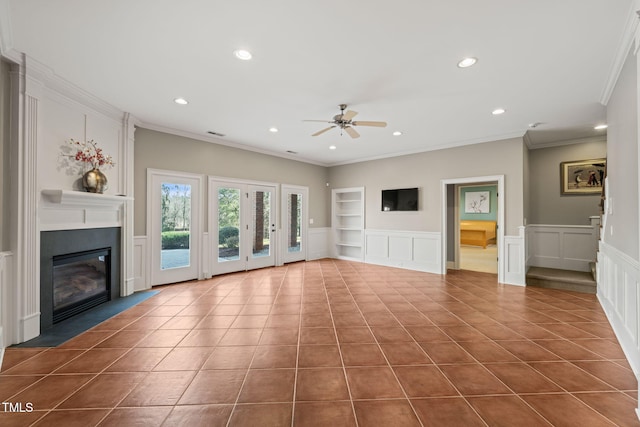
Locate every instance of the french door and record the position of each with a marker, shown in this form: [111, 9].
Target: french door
[294, 222]
[174, 222]
[242, 226]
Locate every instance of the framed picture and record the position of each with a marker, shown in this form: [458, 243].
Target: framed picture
[477, 202]
[582, 176]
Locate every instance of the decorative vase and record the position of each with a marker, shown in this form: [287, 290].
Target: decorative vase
[94, 181]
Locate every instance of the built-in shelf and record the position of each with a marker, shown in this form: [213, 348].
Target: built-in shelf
[348, 222]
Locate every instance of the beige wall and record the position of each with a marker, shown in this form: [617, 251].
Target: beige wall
[159, 150]
[621, 229]
[426, 170]
[546, 204]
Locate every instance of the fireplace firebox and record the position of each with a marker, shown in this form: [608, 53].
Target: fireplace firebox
[79, 269]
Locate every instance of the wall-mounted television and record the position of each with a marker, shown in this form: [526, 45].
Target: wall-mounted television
[401, 199]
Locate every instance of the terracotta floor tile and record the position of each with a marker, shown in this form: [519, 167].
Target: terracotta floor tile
[20, 419]
[166, 310]
[248, 322]
[405, 353]
[237, 357]
[148, 417]
[10, 385]
[51, 390]
[427, 333]
[488, 352]
[316, 321]
[92, 361]
[256, 309]
[318, 336]
[139, 360]
[528, 351]
[159, 389]
[355, 335]
[123, 339]
[279, 336]
[146, 323]
[611, 373]
[212, 322]
[522, 378]
[507, 410]
[565, 410]
[285, 309]
[424, 381]
[568, 350]
[390, 334]
[113, 324]
[103, 391]
[182, 322]
[473, 380]
[495, 331]
[202, 338]
[86, 340]
[385, 413]
[268, 386]
[445, 412]
[227, 310]
[335, 414]
[73, 418]
[446, 352]
[275, 356]
[163, 338]
[373, 383]
[463, 333]
[199, 416]
[272, 414]
[609, 349]
[617, 407]
[196, 310]
[14, 356]
[201, 392]
[43, 362]
[362, 355]
[570, 377]
[321, 384]
[341, 320]
[241, 337]
[184, 359]
[317, 356]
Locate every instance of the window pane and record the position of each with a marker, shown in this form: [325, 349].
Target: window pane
[228, 224]
[294, 214]
[261, 217]
[176, 226]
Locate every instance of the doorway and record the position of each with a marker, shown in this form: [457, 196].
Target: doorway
[242, 223]
[468, 241]
[295, 202]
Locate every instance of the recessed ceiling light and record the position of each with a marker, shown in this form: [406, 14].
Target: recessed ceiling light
[498, 111]
[397, 133]
[181, 101]
[332, 147]
[467, 62]
[245, 55]
[600, 127]
[273, 129]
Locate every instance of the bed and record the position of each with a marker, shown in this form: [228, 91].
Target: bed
[477, 233]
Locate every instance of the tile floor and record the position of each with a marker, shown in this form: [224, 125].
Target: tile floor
[333, 343]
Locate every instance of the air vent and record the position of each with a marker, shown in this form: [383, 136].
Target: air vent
[292, 152]
[215, 133]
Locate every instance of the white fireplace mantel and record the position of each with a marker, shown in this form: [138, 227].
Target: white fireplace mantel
[68, 209]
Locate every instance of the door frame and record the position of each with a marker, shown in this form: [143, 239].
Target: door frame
[500, 217]
[304, 221]
[212, 220]
[197, 221]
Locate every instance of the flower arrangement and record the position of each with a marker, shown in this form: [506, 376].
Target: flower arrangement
[89, 152]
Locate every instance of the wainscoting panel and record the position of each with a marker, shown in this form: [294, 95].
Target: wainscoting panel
[412, 250]
[567, 247]
[141, 264]
[7, 304]
[319, 243]
[514, 262]
[618, 281]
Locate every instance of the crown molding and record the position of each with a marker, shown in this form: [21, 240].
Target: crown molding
[629, 36]
[561, 143]
[218, 141]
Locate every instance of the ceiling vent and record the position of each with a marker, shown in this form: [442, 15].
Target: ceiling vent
[215, 133]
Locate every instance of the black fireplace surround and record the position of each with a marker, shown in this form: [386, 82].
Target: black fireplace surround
[85, 264]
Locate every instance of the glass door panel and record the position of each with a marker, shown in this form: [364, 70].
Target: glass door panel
[229, 211]
[176, 226]
[294, 226]
[294, 221]
[261, 223]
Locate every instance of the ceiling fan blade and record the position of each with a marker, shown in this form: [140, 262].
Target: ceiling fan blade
[321, 121]
[352, 132]
[364, 123]
[348, 115]
[320, 132]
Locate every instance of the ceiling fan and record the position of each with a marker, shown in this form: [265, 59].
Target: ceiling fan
[345, 122]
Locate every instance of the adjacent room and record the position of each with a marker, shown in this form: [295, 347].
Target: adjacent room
[350, 214]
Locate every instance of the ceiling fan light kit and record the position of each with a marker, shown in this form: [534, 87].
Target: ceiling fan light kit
[344, 121]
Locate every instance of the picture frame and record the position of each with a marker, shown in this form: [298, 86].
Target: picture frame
[582, 177]
[477, 202]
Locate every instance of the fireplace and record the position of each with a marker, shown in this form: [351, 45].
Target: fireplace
[79, 270]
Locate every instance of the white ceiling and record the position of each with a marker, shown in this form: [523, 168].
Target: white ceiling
[543, 61]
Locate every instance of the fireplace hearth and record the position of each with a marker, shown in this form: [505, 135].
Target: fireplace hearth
[79, 270]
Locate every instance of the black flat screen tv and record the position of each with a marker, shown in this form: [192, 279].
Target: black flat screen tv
[402, 199]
